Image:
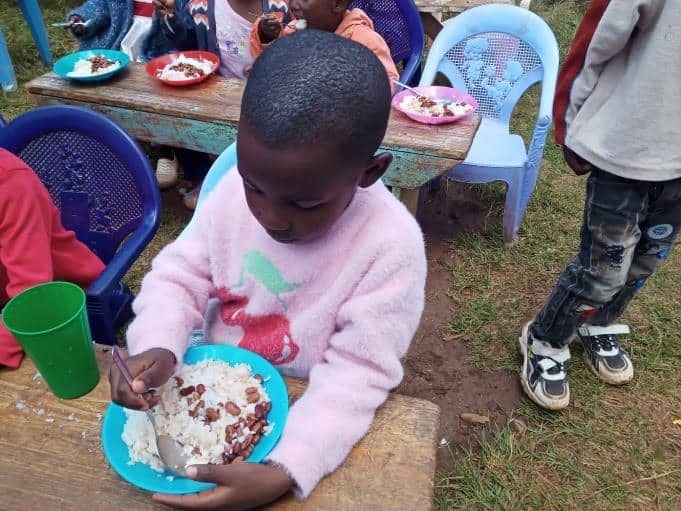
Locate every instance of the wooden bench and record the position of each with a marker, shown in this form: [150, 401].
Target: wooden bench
[205, 118]
[432, 10]
[52, 457]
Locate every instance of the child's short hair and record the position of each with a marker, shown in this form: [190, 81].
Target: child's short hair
[315, 86]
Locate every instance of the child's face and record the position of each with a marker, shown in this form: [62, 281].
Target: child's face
[297, 194]
[320, 14]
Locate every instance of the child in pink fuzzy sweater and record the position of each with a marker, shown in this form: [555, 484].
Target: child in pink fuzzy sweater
[301, 255]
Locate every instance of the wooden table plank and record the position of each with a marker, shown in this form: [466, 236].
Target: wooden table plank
[59, 465]
[218, 101]
[449, 6]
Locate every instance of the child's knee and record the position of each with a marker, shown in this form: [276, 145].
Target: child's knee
[604, 286]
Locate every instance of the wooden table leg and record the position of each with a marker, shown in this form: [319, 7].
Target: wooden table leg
[432, 23]
[409, 197]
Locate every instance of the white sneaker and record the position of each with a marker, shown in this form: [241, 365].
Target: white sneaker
[166, 172]
[603, 354]
[543, 374]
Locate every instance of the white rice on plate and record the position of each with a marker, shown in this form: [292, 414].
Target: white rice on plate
[83, 67]
[185, 68]
[434, 108]
[216, 410]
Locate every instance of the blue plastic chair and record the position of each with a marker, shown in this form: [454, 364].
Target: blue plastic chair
[31, 11]
[106, 191]
[496, 52]
[399, 23]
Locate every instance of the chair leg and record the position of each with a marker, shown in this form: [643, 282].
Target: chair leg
[31, 11]
[102, 328]
[513, 212]
[414, 82]
[8, 80]
[435, 184]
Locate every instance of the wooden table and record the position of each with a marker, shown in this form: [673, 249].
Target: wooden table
[49, 461]
[205, 118]
[432, 10]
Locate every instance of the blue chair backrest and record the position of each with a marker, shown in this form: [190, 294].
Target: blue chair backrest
[220, 167]
[495, 52]
[224, 163]
[399, 23]
[97, 175]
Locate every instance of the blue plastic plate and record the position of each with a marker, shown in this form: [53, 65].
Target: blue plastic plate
[143, 476]
[66, 64]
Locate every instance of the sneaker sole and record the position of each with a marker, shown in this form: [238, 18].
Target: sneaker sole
[612, 378]
[522, 346]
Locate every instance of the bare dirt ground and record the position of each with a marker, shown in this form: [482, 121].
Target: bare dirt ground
[437, 366]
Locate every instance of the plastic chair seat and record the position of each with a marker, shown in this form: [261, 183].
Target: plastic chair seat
[494, 146]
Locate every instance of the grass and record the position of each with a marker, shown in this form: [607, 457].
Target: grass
[614, 448]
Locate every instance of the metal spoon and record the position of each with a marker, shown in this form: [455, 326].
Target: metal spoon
[169, 450]
[405, 86]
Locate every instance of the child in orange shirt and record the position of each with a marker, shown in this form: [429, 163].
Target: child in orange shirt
[329, 16]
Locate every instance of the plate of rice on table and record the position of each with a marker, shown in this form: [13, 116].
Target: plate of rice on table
[91, 65]
[435, 104]
[186, 68]
[224, 405]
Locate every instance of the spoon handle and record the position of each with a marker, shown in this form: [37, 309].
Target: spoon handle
[120, 363]
[405, 86]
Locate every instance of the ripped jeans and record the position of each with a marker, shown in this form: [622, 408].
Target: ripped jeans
[628, 232]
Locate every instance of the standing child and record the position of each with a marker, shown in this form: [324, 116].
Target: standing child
[303, 244]
[330, 16]
[223, 28]
[34, 247]
[619, 122]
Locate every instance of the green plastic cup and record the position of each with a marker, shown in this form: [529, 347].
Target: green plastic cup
[50, 322]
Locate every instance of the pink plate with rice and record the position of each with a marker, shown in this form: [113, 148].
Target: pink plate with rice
[448, 104]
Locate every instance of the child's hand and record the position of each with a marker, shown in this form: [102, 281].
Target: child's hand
[164, 8]
[269, 28]
[149, 369]
[76, 29]
[240, 486]
[578, 164]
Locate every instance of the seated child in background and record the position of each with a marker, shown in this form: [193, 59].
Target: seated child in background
[330, 16]
[223, 28]
[303, 244]
[34, 247]
[124, 25]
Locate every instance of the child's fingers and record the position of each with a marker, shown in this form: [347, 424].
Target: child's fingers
[148, 370]
[215, 498]
[121, 392]
[160, 6]
[151, 369]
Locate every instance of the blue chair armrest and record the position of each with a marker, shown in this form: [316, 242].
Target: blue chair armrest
[124, 258]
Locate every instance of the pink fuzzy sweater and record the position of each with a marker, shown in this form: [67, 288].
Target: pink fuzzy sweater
[341, 311]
